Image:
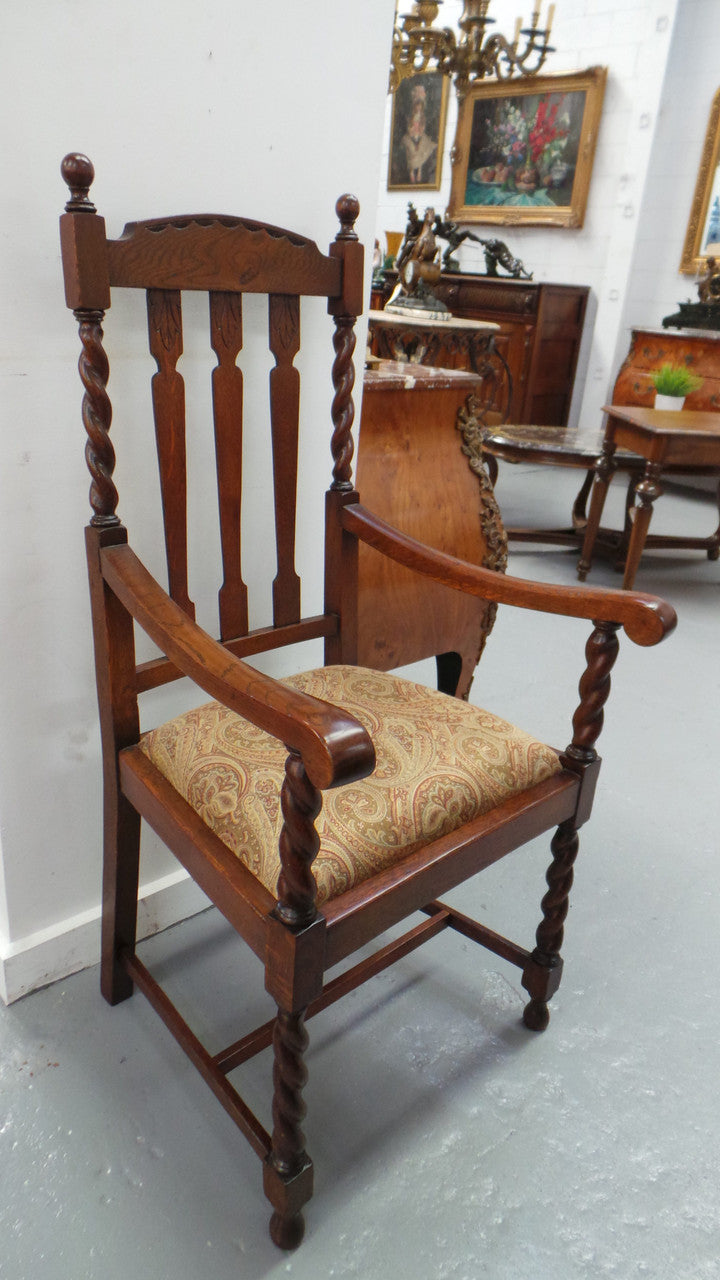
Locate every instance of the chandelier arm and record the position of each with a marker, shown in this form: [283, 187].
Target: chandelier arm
[417, 46]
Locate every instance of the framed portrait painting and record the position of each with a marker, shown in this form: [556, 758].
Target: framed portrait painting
[702, 239]
[417, 132]
[524, 150]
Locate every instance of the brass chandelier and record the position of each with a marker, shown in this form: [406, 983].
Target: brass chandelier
[475, 54]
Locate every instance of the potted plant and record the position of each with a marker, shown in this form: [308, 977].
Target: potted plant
[672, 384]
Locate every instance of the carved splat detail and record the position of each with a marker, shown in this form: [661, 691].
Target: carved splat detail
[227, 392]
[168, 395]
[97, 416]
[284, 322]
[299, 843]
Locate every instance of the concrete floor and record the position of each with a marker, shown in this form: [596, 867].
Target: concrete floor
[449, 1143]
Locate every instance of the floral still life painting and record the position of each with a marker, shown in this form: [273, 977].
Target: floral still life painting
[525, 150]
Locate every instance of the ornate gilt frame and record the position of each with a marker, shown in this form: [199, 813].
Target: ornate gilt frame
[591, 82]
[693, 259]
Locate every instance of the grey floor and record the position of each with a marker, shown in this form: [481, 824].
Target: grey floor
[449, 1143]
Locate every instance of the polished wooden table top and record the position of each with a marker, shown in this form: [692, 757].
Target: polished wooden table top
[674, 437]
[665, 422]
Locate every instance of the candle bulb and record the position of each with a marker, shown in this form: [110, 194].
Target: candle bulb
[551, 15]
[516, 37]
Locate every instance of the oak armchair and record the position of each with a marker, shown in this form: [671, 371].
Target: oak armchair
[319, 810]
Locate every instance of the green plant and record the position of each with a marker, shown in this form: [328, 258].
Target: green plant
[675, 380]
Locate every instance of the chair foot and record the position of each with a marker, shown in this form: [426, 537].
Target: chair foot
[536, 1015]
[541, 979]
[287, 1233]
[115, 984]
[713, 553]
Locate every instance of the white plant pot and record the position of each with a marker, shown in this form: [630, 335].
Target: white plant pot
[669, 402]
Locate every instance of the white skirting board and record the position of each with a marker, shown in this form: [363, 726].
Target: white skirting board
[73, 944]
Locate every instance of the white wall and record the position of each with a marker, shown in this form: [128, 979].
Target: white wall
[662, 74]
[692, 77]
[182, 106]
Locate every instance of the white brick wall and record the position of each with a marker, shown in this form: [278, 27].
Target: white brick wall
[663, 69]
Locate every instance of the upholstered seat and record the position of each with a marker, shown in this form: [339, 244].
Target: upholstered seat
[440, 763]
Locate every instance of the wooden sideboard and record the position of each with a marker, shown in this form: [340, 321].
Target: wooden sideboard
[539, 335]
[699, 349]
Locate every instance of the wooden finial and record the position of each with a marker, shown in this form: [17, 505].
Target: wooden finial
[78, 173]
[347, 209]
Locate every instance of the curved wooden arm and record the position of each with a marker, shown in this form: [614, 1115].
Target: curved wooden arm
[335, 748]
[646, 619]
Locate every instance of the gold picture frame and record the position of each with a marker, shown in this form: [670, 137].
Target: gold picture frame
[417, 132]
[702, 238]
[524, 150]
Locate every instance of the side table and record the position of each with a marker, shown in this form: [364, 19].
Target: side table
[563, 447]
[687, 441]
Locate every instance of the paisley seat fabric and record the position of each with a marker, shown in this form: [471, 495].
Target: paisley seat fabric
[440, 763]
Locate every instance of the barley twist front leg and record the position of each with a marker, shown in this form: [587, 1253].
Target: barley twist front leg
[541, 977]
[288, 1169]
[543, 970]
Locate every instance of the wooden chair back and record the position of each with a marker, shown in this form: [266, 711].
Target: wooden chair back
[226, 257]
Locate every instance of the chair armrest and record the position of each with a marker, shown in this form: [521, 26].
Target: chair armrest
[334, 746]
[646, 619]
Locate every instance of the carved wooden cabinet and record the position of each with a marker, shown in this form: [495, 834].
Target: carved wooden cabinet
[418, 451]
[699, 349]
[539, 337]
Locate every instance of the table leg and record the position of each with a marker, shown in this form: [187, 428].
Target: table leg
[579, 511]
[714, 548]
[646, 491]
[603, 475]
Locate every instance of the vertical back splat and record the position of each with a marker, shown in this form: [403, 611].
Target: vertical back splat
[284, 317]
[227, 390]
[168, 393]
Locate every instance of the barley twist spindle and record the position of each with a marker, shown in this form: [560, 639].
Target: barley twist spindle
[346, 245]
[343, 411]
[97, 416]
[601, 651]
[299, 843]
